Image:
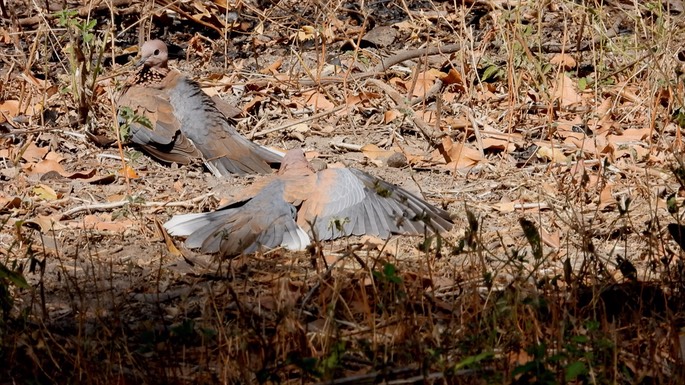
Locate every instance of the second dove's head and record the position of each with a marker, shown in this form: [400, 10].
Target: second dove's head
[154, 53]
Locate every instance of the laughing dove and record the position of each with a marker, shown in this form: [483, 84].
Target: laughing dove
[185, 124]
[298, 204]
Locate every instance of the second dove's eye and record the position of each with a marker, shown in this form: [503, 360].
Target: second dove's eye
[156, 52]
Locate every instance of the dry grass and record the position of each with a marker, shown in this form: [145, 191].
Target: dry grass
[560, 269]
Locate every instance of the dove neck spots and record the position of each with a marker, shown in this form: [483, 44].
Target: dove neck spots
[151, 75]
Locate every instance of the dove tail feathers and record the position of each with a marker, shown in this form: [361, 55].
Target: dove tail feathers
[243, 229]
[186, 224]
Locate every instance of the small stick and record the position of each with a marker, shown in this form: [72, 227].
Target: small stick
[112, 205]
[347, 146]
[387, 63]
[428, 132]
[288, 125]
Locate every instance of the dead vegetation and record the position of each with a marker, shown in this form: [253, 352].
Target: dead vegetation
[551, 130]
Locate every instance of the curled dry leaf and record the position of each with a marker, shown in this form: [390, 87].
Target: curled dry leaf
[297, 131]
[551, 238]
[362, 97]
[606, 197]
[551, 154]
[46, 223]
[506, 206]
[50, 165]
[44, 166]
[457, 155]
[171, 247]
[273, 68]
[252, 104]
[374, 152]
[454, 77]
[499, 144]
[128, 172]
[630, 136]
[424, 82]
[308, 32]
[7, 203]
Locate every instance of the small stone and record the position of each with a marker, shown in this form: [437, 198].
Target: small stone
[397, 160]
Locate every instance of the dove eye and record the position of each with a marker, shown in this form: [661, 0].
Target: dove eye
[156, 52]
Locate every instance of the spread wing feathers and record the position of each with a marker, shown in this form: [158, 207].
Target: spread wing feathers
[225, 151]
[264, 221]
[352, 202]
[163, 138]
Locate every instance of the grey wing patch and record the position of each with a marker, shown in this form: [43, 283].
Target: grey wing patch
[333, 210]
[266, 221]
[362, 204]
[410, 213]
[282, 231]
[145, 135]
[225, 151]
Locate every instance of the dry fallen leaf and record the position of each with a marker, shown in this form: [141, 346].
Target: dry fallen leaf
[171, 247]
[498, 144]
[454, 77]
[34, 153]
[374, 152]
[45, 192]
[306, 32]
[606, 197]
[318, 101]
[424, 82]
[565, 91]
[302, 128]
[273, 68]
[47, 223]
[102, 222]
[506, 207]
[44, 166]
[550, 154]
[551, 239]
[10, 108]
[630, 136]
[49, 165]
[128, 172]
[7, 203]
[391, 115]
[458, 155]
[565, 61]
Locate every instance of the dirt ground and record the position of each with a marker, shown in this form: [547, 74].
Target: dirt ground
[575, 134]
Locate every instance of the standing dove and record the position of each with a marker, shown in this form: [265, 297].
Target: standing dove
[184, 122]
[298, 204]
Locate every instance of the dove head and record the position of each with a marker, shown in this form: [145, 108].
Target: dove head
[294, 161]
[154, 53]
